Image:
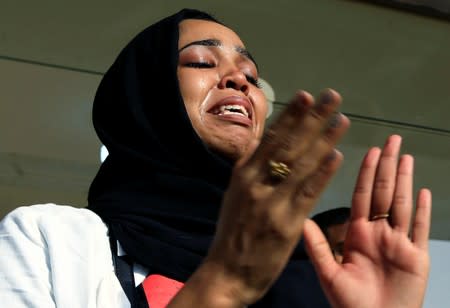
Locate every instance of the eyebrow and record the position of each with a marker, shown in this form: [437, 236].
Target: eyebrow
[216, 43]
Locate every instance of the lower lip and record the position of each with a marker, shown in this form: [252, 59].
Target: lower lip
[237, 119]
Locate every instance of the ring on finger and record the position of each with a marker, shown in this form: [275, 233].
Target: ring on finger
[379, 216]
[278, 170]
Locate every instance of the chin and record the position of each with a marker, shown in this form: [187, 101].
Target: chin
[231, 152]
[232, 144]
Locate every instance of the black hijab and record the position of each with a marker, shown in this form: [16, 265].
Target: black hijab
[160, 188]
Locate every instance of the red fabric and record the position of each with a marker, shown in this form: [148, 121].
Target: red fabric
[159, 290]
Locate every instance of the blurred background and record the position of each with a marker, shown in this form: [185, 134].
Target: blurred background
[390, 60]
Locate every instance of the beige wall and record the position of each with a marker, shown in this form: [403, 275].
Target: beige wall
[389, 65]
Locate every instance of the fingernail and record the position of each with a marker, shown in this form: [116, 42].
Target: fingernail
[335, 120]
[302, 99]
[326, 97]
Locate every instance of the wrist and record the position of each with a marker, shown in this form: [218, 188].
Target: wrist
[211, 286]
[218, 287]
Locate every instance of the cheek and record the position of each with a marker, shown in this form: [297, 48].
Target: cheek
[261, 110]
[193, 87]
[261, 103]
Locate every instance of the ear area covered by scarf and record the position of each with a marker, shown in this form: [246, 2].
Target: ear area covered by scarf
[160, 188]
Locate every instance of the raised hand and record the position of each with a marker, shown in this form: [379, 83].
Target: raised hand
[384, 265]
[273, 190]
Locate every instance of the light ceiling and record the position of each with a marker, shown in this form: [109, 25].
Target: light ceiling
[392, 68]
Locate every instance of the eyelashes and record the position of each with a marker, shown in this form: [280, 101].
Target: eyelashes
[254, 81]
[199, 65]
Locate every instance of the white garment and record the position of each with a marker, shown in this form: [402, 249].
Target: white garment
[57, 256]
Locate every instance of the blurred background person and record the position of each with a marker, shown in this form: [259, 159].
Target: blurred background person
[334, 224]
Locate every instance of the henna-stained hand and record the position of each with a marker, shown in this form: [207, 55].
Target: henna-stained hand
[262, 217]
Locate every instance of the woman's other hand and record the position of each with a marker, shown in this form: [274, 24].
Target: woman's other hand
[383, 266]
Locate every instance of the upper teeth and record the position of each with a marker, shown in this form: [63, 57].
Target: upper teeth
[235, 109]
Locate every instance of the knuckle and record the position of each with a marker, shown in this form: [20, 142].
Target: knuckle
[400, 199]
[418, 224]
[283, 142]
[361, 189]
[309, 191]
[270, 137]
[382, 184]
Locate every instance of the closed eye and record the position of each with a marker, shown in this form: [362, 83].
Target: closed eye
[253, 81]
[199, 65]
[249, 78]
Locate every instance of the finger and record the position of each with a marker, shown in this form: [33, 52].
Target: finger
[308, 193]
[421, 224]
[277, 135]
[385, 178]
[362, 194]
[402, 204]
[308, 162]
[319, 252]
[295, 130]
[311, 163]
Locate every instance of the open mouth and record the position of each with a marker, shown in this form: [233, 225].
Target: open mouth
[232, 109]
[233, 106]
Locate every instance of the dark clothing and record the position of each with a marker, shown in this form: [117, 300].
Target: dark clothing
[160, 188]
[298, 286]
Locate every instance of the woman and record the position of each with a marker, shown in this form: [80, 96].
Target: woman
[196, 198]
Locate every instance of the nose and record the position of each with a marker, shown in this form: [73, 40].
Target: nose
[235, 80]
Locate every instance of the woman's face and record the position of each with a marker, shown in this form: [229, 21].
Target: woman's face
[219, 84]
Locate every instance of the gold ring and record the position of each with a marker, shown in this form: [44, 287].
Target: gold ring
[379, 216]
[278, 170]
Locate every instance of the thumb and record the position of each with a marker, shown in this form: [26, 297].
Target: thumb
[319, 252]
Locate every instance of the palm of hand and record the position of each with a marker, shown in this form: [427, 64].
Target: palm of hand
[382, 266]
[381, 260]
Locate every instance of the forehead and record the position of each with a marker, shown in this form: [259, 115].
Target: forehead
[196, 29]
